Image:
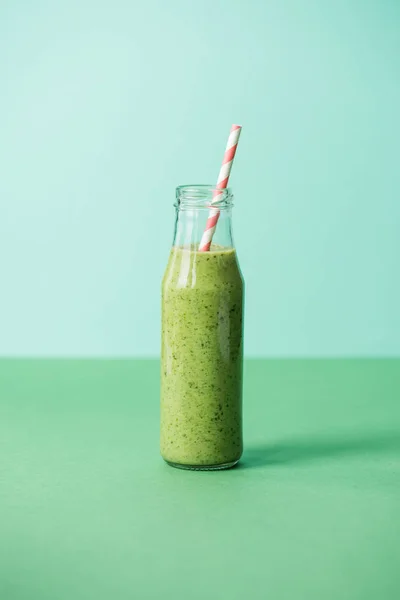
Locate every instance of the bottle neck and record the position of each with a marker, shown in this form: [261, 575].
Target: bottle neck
[194, 205]
[191, 224]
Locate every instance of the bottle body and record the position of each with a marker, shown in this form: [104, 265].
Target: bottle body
[202, 358]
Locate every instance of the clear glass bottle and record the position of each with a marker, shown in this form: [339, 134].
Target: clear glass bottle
[202, 338]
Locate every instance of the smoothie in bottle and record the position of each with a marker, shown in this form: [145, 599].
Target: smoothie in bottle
[202, 338]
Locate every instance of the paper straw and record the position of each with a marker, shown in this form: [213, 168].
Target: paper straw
[222, 183]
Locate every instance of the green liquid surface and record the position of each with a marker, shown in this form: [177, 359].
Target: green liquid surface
[202, 353]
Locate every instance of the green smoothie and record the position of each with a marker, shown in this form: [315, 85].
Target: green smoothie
[201, 361]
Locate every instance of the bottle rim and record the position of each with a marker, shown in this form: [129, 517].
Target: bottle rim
[203, 196]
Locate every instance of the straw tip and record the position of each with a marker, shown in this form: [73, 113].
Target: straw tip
[234, 127]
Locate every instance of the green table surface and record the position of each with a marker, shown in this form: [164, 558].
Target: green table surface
[88, 510]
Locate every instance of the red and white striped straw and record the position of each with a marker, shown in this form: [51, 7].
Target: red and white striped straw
[222, 183]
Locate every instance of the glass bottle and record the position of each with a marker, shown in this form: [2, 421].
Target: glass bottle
[202, 338]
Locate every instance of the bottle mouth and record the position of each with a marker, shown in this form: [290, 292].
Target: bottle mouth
[203, 196]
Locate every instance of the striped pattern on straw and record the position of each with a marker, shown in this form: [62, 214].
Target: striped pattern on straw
[222, 183]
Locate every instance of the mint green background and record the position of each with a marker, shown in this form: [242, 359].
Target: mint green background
[106, 106]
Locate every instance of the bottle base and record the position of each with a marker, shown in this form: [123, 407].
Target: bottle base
[221, 467]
